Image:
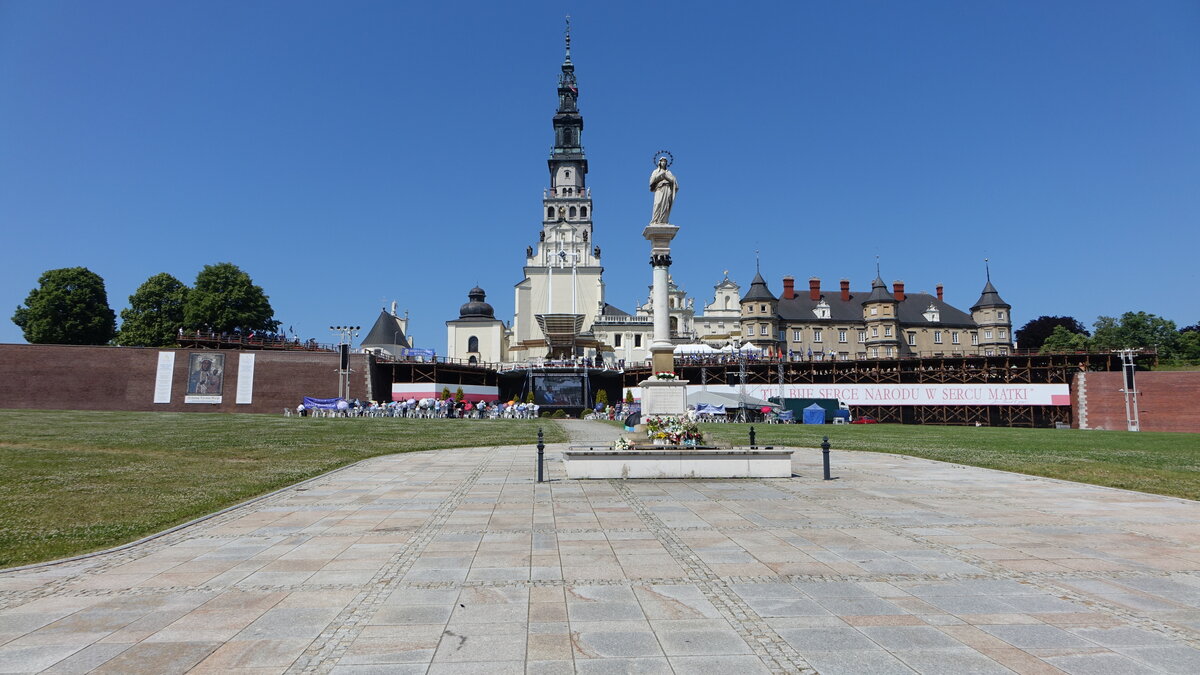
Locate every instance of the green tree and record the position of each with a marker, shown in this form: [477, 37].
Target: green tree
[602, 397]
[155, 313]
[445, 393]
[69, 307]
[629, 396]
[1136, 330]
[224, 298]
[529, 397]
[459, 395]
[1034, 333]
[1062, 339]
[1189, 345]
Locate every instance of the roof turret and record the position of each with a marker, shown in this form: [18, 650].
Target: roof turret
[989, 297]
[758, 290]
[879, 292]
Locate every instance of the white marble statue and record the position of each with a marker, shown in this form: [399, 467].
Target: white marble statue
[664, 186]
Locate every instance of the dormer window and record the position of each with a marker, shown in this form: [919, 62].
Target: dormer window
[822, 310]
[932, 313]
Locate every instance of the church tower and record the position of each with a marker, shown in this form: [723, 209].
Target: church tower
[562, 272]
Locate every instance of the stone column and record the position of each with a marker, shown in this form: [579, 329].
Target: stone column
[662, 351]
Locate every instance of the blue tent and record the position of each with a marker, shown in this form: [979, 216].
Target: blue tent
[814, 414]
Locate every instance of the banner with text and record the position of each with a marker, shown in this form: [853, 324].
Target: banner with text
[913, 394]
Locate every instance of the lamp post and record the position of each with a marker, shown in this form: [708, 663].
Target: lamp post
[345, 335]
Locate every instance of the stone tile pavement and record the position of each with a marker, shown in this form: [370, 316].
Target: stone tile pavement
[457, 561]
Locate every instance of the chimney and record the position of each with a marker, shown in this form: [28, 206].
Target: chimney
[845, 290]
[898, 290]
[939, 291]
[789, 288]
[814, 289]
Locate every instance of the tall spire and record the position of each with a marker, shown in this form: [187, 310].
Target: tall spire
[568, 123]
[568, 57]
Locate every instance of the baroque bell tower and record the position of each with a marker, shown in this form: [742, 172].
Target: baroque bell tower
[562, 271]
[567, 203]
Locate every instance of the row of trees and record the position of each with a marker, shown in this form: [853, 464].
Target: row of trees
[70, 306]
[1132, 330]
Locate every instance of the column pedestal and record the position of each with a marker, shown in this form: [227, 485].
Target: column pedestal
[663, 397]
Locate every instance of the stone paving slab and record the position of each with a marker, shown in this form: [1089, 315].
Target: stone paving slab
[457, 561]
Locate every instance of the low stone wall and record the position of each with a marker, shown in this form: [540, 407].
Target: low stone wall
[1167, 401]
[124, 378]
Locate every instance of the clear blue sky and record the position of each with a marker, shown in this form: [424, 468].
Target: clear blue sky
[348, 154]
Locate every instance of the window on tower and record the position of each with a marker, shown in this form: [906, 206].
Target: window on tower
[574, 212]
[583, 212]
[550, 213]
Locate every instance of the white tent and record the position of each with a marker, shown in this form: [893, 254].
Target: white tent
[749, 348]
[728, 401]
[699, 348]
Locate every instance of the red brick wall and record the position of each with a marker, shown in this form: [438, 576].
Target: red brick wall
[1167, 401]
[122, 378]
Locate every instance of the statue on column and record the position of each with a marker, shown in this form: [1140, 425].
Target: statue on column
[664, 186]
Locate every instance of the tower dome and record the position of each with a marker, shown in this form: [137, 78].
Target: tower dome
[476, 308]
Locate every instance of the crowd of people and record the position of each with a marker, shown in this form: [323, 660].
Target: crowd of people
[429, 408]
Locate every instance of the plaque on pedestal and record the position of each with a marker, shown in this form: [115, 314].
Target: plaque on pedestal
[664, 397]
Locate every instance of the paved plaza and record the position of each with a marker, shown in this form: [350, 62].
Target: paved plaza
[458, 561]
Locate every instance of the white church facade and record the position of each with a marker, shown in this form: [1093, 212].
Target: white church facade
[560, 311]
[561, 315]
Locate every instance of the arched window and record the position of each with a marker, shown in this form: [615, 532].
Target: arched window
[583, 212]
[472, 360]
[574, 211]
[472, 344]
[550, 213]
[674, 324]
[567, 174]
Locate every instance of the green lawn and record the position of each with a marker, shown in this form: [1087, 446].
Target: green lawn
[1157, 462]
[74, 482]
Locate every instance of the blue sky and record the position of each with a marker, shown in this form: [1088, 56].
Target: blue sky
[348, 154]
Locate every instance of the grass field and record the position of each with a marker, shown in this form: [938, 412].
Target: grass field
[1160, 463]
[74, 482]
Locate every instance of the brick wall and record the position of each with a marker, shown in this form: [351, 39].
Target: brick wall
[123, 378]
[1167, 401]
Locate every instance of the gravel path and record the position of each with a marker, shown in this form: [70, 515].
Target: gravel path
[588, 431]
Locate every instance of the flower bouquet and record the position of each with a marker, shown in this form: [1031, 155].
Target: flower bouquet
[668, 430]
[622, 444]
